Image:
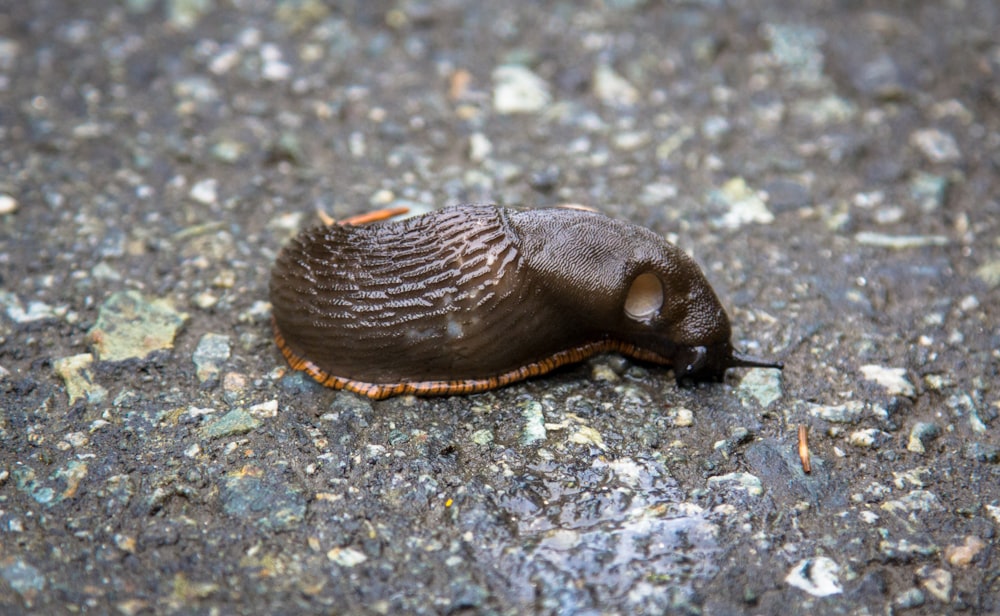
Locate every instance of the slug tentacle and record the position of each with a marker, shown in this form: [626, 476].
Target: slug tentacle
[474, 297]
[739, 360]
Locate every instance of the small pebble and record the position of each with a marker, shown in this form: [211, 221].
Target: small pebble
[715, 127]
[516, 89]
[849, 412]
[745, 205]
[681, 417]
[889, 214]
[762, 385]
[746, 482]
[870, 438]
[981, 453]
[265, 410]
[630, 140]
[880, 77]
[657, 193]
[963, 555]
[225, 279]
[969, 303]
[603, 372]
[262, 496]
[357, 145]
[346, 557]
[936, 581]
[824, 111]
[235, 422]
[546, 179]
[817, 576]
[909, 599]
[928, 191]
[585, 435]
[797, 49]
[892, 379]
[382, 197]
[224, 61]
[274, 68]
[205, 191]
[130, 325]
[8, 204]
[78, 378]
[534, 423]
[195, 89]
[36, 311]
[205, 300]
[233, 383]
[212, 351]
[937, 146]
[899, 242]
[482, 437]
[989, 273]
[921, 434]
[612, 88]
[23, 578]
[185, 14]
[480, 147]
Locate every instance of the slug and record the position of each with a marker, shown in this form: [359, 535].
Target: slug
[473, 297]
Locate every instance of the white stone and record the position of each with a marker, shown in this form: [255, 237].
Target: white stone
[205, 191]
[612, 88]
[516, 89]
[817, 576]
[892, 379]
[743, 481]
[480, 147]
[8, 204]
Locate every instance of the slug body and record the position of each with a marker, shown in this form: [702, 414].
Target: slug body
[473, 297]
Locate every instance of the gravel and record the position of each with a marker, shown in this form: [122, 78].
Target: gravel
[833, 168]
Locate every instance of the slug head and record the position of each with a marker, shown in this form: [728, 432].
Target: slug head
[624, 282]
[673, 312]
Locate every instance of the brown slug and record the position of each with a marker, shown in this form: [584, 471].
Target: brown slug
[473, 297]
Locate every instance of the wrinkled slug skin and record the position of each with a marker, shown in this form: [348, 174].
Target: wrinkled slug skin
[438, 297]
[473, 292]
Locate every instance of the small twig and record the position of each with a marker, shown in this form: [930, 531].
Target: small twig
[363, 219]
[804, 448]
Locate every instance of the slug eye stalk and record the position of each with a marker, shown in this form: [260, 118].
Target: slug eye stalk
[710, 364]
